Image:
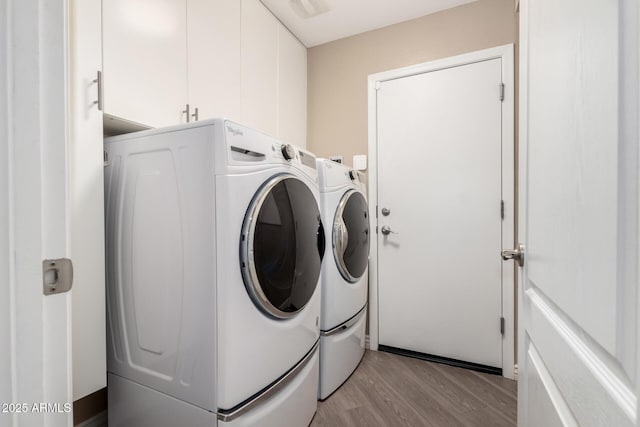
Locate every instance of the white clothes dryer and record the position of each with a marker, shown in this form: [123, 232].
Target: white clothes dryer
[344, 274]
[214, 250]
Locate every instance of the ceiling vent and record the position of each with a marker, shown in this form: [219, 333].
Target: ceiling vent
[306, 9]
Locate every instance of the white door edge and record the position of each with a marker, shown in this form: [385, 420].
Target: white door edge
[54, 131]
[522, 188]
[506, 53]
[35, 337]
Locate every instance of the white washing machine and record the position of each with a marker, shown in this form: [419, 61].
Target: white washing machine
[344, 274]
[214, 249]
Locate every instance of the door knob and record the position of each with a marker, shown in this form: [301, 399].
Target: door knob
[386, 230]
[516, 254]
[386, 211]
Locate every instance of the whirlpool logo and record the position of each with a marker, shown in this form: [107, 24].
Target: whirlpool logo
[234, 131]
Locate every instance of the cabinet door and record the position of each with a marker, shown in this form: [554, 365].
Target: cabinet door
[292, 89]
[86, 201]
[259, 67]
[145, 60]
[214, 58]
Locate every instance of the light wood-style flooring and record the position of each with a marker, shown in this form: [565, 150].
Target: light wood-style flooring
[391, 390]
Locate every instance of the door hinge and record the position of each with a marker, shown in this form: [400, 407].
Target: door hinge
[501, 91]
[502, 326]
[376, 211]
[502, 209]
[376, 229]
[105, 158]
[57, 276]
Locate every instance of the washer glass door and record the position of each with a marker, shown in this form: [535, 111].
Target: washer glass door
[282, 244]
[351, 236]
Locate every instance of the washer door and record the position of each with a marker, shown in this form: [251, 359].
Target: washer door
[281, 246]
[351, 236]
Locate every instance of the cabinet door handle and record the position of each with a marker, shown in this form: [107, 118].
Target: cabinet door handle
[98, 82]
[186, 112]
[195, 114]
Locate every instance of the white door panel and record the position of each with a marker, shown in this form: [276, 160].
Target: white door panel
[439, 174]
[35, 336]
[583, 373]
[579, 179]
[579, 213]
[543, 410]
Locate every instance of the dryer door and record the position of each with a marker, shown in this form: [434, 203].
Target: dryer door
[281, 246]
[351, 235]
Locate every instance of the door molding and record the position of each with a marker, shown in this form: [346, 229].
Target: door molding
[504, 52]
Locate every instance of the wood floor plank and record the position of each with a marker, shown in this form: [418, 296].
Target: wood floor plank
[393, 390]
[389, 401]
[435, 407]
[492, 390]
[433, 379]
[486, 417]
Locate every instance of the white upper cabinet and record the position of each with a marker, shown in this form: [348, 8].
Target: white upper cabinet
[145, 60]
[274, 76]
[214, 58]
[259, 67]
[223, 58]
[292, 89]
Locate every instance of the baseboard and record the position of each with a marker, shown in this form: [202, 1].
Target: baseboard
[99, 420]
[87, 407]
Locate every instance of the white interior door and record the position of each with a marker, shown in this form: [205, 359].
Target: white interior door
[439, 192]
[578, 355]
[35, 330]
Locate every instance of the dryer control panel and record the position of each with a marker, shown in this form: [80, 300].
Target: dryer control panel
[246, 146]
[334, 174]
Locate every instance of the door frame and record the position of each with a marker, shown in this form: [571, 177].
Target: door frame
[35, 330]
[506, 54]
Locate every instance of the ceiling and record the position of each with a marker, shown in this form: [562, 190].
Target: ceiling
[344, 18]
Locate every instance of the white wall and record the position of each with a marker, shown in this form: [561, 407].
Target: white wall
[337, 71]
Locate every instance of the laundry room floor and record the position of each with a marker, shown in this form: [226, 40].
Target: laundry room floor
[392, 390]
